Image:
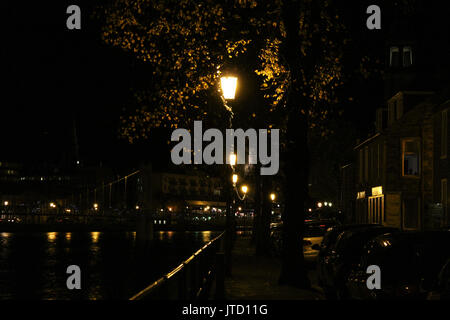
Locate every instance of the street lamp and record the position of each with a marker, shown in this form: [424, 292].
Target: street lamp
[244, 189]
[234, 179]
[228, 85]
[232, 159]
[272, 196]
[319, 204]
[95, 206]
[6, 203]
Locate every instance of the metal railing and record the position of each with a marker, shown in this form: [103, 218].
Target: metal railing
[196, 278]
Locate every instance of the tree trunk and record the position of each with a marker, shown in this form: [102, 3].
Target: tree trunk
[263, 226]
[258, 208]
[296, 159]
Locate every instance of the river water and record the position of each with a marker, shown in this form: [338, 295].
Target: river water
[113, 264]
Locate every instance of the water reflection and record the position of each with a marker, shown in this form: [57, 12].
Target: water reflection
[114, 265]
[51, 236]
[95, 236]
[206, 235]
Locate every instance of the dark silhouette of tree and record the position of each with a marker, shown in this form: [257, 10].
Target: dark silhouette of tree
[297, 50]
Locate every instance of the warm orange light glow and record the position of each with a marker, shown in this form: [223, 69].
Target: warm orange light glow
[244, 189]
[229, 85]
[232, 159]
[272, 196]
[235, 178]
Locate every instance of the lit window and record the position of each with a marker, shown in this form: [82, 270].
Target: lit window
[407, 57]
[411, 158]
[394, 60]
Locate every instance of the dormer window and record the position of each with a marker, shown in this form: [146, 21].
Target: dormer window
[407, 57]
[400, 56]
[394, 60]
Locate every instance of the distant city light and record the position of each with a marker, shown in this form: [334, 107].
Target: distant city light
[235, 178]
[244, 189]
[6, 203]
[272, 196]
[95, 206]
[52, 205]
[319, 204]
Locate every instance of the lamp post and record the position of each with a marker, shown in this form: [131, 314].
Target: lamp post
[228, 90]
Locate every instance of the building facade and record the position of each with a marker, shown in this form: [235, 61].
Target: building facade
[402, 170]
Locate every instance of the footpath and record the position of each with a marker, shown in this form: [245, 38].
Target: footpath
[256, 278]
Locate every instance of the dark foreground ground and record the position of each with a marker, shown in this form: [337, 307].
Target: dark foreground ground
[256, 278]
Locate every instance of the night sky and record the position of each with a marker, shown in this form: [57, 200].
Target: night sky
[59, 79]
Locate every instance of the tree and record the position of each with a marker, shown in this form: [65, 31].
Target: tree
[298, 51]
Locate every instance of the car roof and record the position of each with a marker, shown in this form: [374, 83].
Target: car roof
[414, 236]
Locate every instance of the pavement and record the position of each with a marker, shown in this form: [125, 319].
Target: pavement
[256, 278]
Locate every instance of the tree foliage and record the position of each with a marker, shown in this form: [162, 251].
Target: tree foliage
[190, 44]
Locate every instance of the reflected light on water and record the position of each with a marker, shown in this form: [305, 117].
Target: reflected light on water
[5, 234]
[95, 236]
[51, 236]
[68, 236]
[206, 236]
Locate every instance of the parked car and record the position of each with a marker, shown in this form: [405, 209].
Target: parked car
[345, 255]
[327, 245]
[442, 290]
[313, 235]
[409, 262]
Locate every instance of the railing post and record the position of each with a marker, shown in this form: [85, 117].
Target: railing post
[220, 276]
[182, 286]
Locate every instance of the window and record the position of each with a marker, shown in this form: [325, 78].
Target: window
[444, 134]
[392, 116]
[407, 57]
[394, 60]
[411, 157]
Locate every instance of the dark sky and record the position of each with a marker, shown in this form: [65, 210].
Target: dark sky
[56, 77]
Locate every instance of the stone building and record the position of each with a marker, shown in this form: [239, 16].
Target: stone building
[402, 170]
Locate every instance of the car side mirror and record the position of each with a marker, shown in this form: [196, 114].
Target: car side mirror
[315, 247]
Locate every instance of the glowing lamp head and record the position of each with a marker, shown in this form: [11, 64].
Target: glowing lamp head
[232, 159]
[319, 204]
[6, 203]
[272, 196]
[228, 85]
[244, 189]
[235, 178]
